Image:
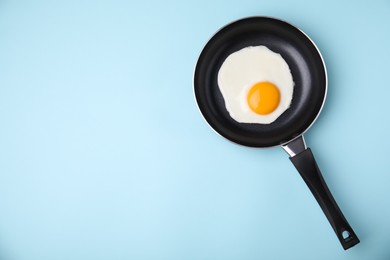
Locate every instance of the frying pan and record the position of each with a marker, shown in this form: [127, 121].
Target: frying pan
[309, 74]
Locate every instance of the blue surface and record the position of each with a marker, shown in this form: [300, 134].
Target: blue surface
[104, 155]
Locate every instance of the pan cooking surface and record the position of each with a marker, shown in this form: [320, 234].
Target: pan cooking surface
[306, 66]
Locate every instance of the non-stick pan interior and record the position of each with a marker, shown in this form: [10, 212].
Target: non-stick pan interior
[306, 66]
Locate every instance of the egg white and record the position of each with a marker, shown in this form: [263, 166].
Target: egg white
[244, 68]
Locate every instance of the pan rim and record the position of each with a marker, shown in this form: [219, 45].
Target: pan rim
[279, 20]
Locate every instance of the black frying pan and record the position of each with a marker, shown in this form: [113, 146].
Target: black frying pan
[309, 74]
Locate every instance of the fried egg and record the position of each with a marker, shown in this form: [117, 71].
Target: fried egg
[256, 84]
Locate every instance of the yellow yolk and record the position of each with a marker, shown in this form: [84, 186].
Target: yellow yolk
[263, 98]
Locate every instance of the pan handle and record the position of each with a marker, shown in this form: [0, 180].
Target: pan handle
[304, 162]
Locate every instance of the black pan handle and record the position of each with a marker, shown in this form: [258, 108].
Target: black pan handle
[311, 174]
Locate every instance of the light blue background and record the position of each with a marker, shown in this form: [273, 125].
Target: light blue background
[104, 155]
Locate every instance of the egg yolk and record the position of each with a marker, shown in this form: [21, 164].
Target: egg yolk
[263, 98]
